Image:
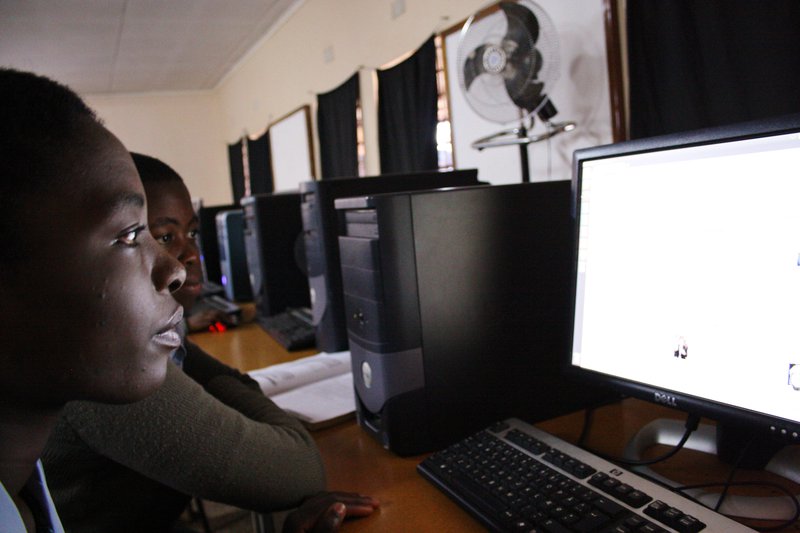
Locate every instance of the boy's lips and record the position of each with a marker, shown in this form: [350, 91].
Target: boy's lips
[168, 336]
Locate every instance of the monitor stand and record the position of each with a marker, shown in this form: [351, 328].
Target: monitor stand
[668, 432]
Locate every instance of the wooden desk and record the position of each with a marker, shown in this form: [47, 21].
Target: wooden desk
[357, 463]
[246, 347]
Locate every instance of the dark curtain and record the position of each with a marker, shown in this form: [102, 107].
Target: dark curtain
[336, 125]
[259, 161]
[706, 63]
[237, 170]
[407, 113]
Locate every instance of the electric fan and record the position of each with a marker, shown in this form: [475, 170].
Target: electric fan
[508, 63]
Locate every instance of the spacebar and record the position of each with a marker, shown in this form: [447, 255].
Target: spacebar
[480, 498]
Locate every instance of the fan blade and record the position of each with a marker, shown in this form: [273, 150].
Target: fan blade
[524, 60]
[473, 66]
[530, 96]
[522, 23]
[522, 84]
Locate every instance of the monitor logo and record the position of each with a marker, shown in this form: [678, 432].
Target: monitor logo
[665, 399]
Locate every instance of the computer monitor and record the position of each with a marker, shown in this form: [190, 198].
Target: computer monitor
[687, 273]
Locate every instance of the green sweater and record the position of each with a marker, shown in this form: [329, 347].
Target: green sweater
[130, 468]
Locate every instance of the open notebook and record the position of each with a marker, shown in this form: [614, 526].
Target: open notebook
[317, 389]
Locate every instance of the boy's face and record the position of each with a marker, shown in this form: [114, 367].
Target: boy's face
[88, 313]
[174, 225]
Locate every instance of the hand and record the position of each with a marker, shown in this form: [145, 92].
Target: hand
[326, 511]
[202, 320]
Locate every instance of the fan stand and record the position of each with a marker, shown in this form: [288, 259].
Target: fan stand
[519, 136]
[523, 155]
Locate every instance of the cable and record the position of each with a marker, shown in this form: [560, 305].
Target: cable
[588, 420]
[692, 421]
[734, 468]
[682, 489]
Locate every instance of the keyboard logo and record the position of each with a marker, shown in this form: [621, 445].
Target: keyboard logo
[666, 399]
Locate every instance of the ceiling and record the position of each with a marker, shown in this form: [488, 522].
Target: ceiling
[133, 46]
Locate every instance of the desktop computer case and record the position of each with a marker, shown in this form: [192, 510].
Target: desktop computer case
[273, 237]
[209, 241]
[232, 256]
[320, 225]
[458, 305]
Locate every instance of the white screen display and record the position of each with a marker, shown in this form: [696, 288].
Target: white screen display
[689, 271]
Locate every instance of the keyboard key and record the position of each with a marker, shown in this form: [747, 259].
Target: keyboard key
[608, 507]
[689, 524]
[635, 498]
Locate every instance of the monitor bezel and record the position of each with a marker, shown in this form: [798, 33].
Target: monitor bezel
[724, 413]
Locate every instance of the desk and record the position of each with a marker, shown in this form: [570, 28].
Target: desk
[246, 347]
[357, 463]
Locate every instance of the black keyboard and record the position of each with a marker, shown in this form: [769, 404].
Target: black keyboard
[515, 477]
[292, 328]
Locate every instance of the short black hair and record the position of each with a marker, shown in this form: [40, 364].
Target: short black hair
[152, 170]
[39, 122]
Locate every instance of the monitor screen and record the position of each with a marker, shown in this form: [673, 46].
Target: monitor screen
[687, 285]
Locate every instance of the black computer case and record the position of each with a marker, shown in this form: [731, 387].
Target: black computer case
[320, 225]
[273, 237]
[209, 241]
[458, 306]
[232, 256]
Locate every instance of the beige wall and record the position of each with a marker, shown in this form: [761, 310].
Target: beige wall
[183, 129]
[289, 69]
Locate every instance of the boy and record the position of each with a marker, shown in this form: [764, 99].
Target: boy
[131, 468]
[75, 251]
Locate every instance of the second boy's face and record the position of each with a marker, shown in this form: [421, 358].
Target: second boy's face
[174, 225]
[93, 317]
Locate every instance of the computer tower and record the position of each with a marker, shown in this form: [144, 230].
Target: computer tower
[273, 238]
[458, 307]
[209, 241]
[320, 225]
[232, 256]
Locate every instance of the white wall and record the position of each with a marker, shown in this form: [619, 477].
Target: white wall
[190, 131]
[182, 129]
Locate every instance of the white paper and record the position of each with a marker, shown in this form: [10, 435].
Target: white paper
[314, 389]
[320, 401]
[278, 378]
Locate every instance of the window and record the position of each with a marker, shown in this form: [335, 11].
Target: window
[361, 147]
[444, 137]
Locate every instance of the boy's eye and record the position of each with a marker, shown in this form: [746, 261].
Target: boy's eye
[129, 236]
[164, 239]
[193, 234]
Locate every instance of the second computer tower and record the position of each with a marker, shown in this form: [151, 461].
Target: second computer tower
[273, 236]
[321, 232]
[457, 306]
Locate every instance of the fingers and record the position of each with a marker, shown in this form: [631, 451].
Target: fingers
[356, 504]
[331, 519]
